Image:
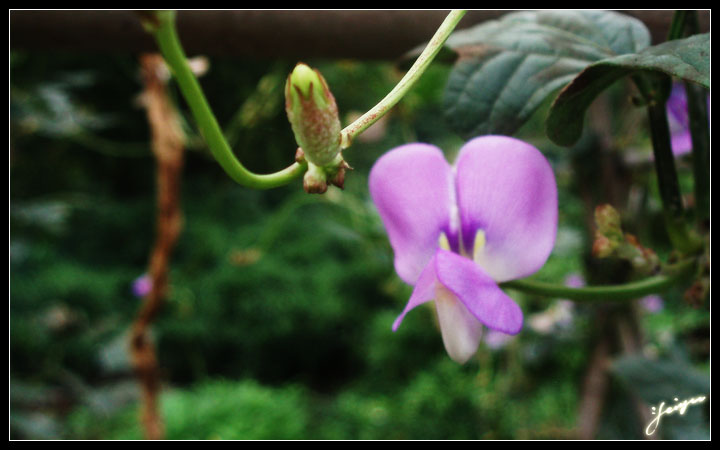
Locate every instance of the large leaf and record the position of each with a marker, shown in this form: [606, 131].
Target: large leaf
[656, 381]
[688, 59]
[507, 67]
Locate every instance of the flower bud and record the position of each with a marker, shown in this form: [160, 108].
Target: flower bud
[336, 172]
[611, 241]
[313, 115]
[315, 180]
[607, 220]
[602, 246]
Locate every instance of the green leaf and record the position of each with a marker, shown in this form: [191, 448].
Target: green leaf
[507, 67]
[688, 59]
[656, 381]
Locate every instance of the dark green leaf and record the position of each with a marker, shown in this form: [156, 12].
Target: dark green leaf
[688, 59]
[656, 381]
[507, 67]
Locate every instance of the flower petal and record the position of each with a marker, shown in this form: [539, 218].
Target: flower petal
[412, 189]
[461, 331]
[679, 120]
[424, 291]
[680, 140]
[506, 188]
[466, 298]
[677, 112]
[482, 297]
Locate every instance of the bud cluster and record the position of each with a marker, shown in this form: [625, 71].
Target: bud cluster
[610, 241]
[313, 116]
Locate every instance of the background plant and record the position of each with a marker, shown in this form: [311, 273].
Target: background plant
[244, 338]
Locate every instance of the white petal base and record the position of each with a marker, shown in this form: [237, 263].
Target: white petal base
[461, 331]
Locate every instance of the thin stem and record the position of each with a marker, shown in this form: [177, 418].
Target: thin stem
[700, 137]
[677, 26]
[169, 44]
[608, 293]
[685, 23]
[668, 180]
[664, 159]
[655, 89]
[699, 132]
[412, 75]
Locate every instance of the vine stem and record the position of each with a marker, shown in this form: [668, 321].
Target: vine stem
[699, 129]
[412, 75]
[668, 184]
[162, 25]
[171, 49]
[628, 291]
[655, 89]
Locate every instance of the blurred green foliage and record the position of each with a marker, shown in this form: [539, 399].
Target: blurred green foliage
[277, 324]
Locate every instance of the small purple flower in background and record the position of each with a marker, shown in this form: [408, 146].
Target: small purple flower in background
[459, 231]
[574, 280]
[560, 314]
[679, 121]
[652, 303]
[142, 286]
[496, 340]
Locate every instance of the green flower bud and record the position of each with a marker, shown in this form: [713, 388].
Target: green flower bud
[315, 180]
[313, 115]
[602, 246]
[611, 241]
[607, 220]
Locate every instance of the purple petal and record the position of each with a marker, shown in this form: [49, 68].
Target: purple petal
[652, 303]
[677, 105]
[412, 190]
[424, 291]
[460, 329]
[506, 188]
[142, 285]
[495, 340]
[472, 286]
[678, 120]
[680, 140]
[575, 280]
[478, 292]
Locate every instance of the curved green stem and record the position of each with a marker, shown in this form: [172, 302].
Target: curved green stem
[412, 75]
[171, 49]
[608, 293]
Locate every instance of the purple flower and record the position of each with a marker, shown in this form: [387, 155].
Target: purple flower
[459, 231]
[496, 340]
[575, 280]
[652, 303]
[679, 121]
[142, 286]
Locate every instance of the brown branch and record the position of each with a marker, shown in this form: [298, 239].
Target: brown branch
[373, 34]
[167, 145]
[594, 390]
[631, 339]
[600, 178]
